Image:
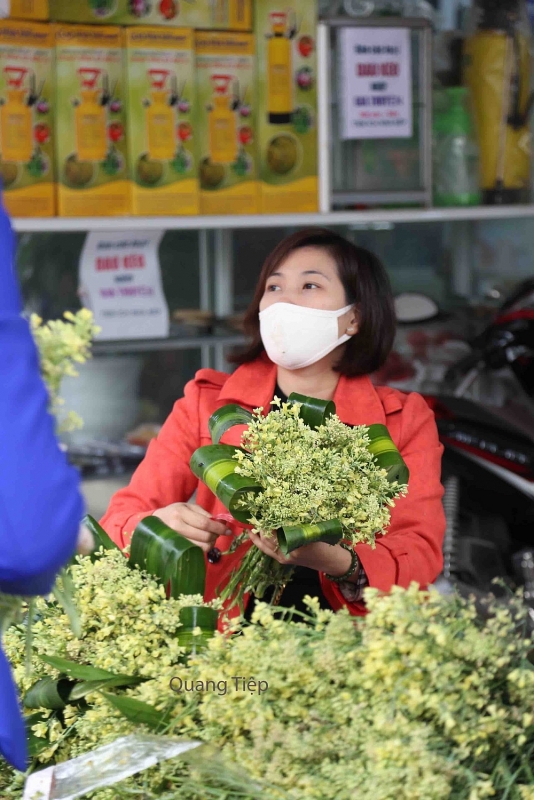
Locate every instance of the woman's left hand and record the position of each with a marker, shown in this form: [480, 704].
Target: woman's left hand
[323, 557]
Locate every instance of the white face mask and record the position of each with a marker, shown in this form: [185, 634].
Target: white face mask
[297, 336]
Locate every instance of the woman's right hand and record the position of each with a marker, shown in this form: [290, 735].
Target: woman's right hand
[194, 523]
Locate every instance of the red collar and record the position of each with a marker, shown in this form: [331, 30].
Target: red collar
[253, 384]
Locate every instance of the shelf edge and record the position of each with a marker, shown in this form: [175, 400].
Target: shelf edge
[405, 215]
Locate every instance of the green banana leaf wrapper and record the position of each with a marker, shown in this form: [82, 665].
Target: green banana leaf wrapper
[174, 561]
[215, 466]
[386, 454]
[197, 617]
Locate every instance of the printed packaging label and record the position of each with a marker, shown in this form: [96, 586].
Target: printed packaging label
[26, 118]
[223, 14]
[161, 108]
[226, 96]
[91, 122]
[29, 9]
[287, 93]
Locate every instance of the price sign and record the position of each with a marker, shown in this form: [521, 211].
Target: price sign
[375, 79]
[120, 281]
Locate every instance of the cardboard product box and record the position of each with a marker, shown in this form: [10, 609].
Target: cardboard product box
[27, 118]
[91, 122]
[160, 112]
[229, 14]
[287, 93]
[29, 9]
[226, 140]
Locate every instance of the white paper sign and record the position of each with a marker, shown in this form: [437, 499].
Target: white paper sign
[375, 83]
[120, 281]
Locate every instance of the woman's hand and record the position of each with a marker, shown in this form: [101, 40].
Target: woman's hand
[323, 557]
[86, 543]
[194, 523]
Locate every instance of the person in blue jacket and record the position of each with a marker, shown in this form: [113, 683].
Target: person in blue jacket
[40, 502]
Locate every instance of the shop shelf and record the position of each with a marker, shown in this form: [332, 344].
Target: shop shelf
[171, 343]
[371, 217]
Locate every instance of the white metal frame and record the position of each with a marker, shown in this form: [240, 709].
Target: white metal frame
[406, 215]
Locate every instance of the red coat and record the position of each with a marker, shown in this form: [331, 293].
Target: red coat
[410, 551]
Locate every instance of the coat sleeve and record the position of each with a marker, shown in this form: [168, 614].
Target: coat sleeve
[40, 503]
[164, 476]
[411, 550]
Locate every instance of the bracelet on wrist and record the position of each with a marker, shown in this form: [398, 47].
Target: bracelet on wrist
[354, 564]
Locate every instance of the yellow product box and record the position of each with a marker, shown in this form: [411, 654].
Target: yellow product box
[29, 9]
[160, 91]
[27, 118]
[223, 14]
[91, 122]
[287, 95]
[226, 135]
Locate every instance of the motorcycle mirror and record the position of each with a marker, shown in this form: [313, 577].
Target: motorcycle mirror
[415, 307]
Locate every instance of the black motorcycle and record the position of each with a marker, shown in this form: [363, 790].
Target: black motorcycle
[488, 462]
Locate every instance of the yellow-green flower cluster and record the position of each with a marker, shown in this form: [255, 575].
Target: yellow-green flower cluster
[420, 700]
[128, 628]
[311, 476]
[62, 345]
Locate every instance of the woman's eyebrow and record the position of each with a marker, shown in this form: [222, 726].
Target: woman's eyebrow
[306, 272]
[315, 272]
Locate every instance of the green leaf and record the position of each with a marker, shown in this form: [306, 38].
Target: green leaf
[168, 556]
[215, 466]
[82, 672]
[290, 537]
[135, 710]
[49, 693]
[84, 688]
[225, 418]
[192, 617]
[65, 598]
[100, 535]
[313, 412]
[85, 672]
[386, 454]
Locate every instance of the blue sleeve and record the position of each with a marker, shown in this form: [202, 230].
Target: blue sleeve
[40, 502]
[13, 746]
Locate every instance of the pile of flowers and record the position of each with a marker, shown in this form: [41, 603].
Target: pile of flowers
[420, 700]
[127, 627]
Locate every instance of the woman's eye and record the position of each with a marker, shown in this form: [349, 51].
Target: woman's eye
[313, 285]
[272, 287]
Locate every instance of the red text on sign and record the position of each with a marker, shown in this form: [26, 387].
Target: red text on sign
[134, 261]
[390, 69]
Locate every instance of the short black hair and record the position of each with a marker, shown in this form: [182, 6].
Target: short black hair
[366, 285]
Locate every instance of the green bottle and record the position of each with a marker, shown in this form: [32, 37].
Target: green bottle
[456, 158]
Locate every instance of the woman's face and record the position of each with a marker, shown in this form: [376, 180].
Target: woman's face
[309, 277]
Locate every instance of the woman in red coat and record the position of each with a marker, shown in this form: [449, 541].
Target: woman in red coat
[321, 321]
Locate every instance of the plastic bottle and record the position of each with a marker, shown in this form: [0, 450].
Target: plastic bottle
[456, 159]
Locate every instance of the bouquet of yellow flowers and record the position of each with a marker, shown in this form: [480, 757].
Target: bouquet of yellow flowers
[302, 475]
